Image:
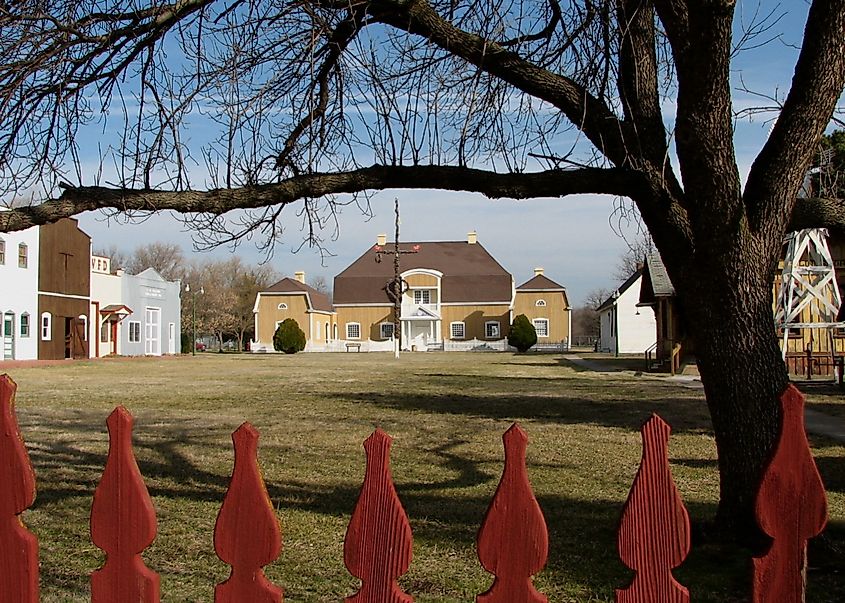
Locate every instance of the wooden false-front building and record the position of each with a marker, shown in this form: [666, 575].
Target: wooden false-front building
[64, 285]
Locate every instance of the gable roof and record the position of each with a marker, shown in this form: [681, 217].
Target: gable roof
[540, 282]
[656, 282]
[611, 300]
[319, 301]
[470, 273]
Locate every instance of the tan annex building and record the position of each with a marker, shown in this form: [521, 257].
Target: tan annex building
[292, 298]
[545, 304]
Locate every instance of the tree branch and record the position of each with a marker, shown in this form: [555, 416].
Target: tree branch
[551, 183]
[816, 86]
[588, 113]
[818, 213]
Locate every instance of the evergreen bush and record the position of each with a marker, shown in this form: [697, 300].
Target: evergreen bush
[288, 337]
[522, 334]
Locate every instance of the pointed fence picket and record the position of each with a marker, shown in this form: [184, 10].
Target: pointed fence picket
[653, 537]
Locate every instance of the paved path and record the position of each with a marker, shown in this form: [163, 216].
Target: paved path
[815, 422]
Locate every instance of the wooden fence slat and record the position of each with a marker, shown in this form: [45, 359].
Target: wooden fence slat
[654, 533]
[123, 522]
[18, 546]
[247, 535]
[513, 542]
[378, 544]
[791, 507]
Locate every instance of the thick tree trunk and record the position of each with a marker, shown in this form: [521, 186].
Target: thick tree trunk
[729, 311]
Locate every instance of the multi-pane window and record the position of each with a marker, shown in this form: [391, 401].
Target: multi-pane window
[2, 251]
[422, 296]
[23, 255]
[457, 330]
[24, 325]
[105, 331]
[386, 330]
[491, 329]
[541, 325]
[353, 330]
[134, 331]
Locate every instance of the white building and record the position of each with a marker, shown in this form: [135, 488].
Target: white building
[133, 315]
[19, 294]
[107, 309]
[626, 328]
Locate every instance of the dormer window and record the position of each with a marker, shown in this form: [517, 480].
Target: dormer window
[540, 303]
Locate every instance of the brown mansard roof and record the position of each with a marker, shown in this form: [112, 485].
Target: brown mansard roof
[470, 274]
[319, 301]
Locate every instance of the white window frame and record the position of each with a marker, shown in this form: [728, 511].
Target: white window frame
[383, 327]
[282, 306]
[46, 326]
[536, 328]
[541, 303]
[84, 320]
[498, 326]
[105, 329]
[419, 294]
[463, 329]
[356, 325]
[134, 331]
[25, 326]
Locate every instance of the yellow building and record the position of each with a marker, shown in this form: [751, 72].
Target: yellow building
[455, 296]
[545, 304]
[292, 298]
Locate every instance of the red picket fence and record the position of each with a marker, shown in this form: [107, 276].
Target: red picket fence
[653, 538]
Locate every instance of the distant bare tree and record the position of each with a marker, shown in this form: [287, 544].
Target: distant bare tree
[585, 318]
[119, 258]
[166, 258]
[321, 284]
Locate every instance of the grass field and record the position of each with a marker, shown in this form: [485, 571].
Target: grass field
[447, 413]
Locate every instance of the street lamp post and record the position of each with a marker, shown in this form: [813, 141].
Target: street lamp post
[193, 315]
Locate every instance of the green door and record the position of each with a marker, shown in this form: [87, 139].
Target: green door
[8, 336]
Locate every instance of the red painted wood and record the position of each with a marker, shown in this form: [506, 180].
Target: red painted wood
[378, 543]
[247, 535]
[513, 542]
[791, 508]
[18, 546]
[123, 522]
[654, 534]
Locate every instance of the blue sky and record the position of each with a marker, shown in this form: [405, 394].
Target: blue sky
[571, 238]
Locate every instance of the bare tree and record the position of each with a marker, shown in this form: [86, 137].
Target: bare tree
[119, 259]
[321, 284]
[523, 98]
[166, 258]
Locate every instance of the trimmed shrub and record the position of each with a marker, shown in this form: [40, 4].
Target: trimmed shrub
[288, 337]
[522, 334]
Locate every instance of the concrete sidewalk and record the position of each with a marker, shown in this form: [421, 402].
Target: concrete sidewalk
[815, 422]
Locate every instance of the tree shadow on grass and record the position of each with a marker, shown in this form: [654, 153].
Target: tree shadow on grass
[683, 415]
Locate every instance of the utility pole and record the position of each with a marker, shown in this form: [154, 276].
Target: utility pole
[395, 288]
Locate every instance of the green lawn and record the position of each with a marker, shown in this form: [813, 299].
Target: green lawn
[447, 413]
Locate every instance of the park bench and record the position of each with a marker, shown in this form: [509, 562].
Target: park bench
[653, 536]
